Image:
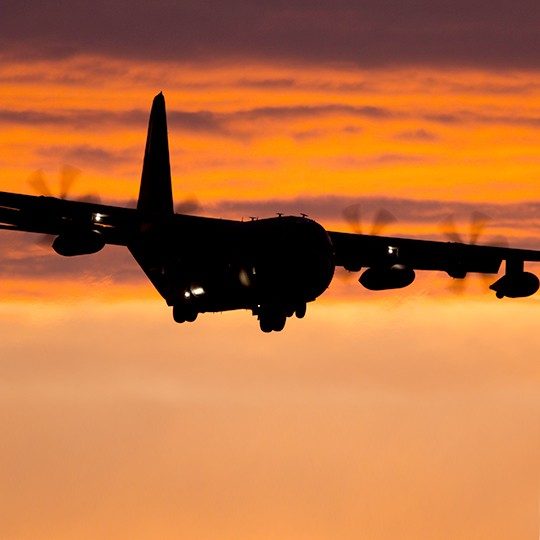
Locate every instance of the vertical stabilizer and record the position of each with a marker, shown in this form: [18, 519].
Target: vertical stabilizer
[155, 195]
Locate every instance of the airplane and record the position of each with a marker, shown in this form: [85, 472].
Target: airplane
[273, 267]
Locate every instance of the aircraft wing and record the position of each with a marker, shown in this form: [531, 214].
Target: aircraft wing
[49, 215]
[354, 251]
[117, 225]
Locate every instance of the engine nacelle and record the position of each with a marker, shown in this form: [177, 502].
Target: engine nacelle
[78, 242]
[392, 277]
[516, 285]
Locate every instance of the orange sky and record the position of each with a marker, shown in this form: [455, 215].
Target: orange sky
[467, 135]
[411, 415]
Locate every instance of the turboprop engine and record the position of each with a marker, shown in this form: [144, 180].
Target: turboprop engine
[391, 277]
[78, 242]
[516, 285]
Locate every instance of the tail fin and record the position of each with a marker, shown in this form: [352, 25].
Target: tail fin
[155, 195]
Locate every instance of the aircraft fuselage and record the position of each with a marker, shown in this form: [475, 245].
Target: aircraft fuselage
[278, 263]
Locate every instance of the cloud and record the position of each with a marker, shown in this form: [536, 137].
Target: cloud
[311, 134]
[372, 33]
[447, 118]
[352, 130]
[353, 162]
[266, 84]
[73, 118]
[493, 88]
[23, 259]
[523, 217]
[232, 123]
[221, 124]
[226, 124]
[310, 111]
[83, 71]
[198, 121]
[89, 155]
[472, 117]
[422, 135]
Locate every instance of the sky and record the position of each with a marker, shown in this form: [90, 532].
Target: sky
[411, 414]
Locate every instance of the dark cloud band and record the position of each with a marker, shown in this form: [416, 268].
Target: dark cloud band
[410, 211]
[369, 33]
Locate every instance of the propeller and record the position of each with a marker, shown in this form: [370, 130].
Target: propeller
[353, 216]
[381, 219]
[477, 224]
[38, 184]
[67, 178]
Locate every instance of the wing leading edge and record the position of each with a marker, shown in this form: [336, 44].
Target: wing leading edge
[354, 251]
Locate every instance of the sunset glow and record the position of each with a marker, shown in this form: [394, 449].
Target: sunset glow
[410, 414]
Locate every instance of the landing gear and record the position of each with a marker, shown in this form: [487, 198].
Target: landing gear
[272, 321]
[183, 313]
[300, 311]
[273, 318]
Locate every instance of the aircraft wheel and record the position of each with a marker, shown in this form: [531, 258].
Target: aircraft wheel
[279, 322]
[178, 313]
[273, 321]
[182, 313]
[266, 325]
[301, 311]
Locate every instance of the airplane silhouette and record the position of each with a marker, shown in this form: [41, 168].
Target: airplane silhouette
[272, 267]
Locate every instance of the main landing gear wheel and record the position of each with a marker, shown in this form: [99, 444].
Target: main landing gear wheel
[183, 313]
[300, 311]
[272, 322]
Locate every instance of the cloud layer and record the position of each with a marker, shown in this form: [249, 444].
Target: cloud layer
[369, 34]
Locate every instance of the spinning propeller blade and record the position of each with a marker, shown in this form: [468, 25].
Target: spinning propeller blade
[353, 216]
[477, 225]
[67, 178]
[381, 219]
